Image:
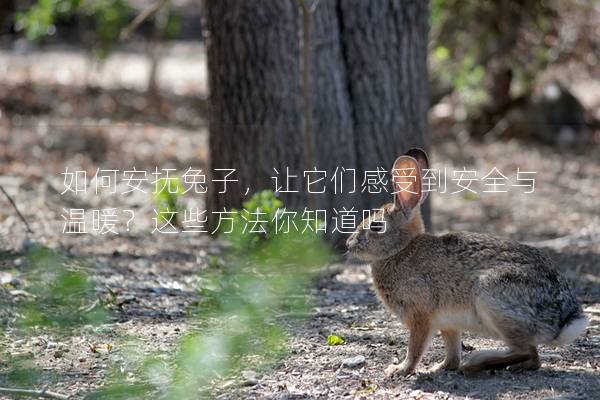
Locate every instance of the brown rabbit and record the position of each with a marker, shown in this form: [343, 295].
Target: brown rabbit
[462, 282]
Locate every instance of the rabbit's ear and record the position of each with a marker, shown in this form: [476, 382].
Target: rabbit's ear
[421, 157]
[406, 176]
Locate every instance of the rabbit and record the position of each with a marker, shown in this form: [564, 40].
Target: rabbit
[462, 282]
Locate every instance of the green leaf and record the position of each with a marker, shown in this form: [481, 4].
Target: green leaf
[442, 53]
[335, 340]
[470, 196]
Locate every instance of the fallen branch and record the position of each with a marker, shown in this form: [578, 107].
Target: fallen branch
[34, 393]
[12, 202]
[139, 20]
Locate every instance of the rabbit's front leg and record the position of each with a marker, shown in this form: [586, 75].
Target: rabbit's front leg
[420, 333]
[453, 346]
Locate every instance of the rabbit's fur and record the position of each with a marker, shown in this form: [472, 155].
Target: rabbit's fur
[462, 282]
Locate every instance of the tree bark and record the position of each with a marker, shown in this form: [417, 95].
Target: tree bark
[369, 92]
[255, 119]
[385, 49]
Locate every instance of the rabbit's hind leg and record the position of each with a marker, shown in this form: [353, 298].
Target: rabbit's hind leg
[521, 354]
[503, 322]
[493, 359]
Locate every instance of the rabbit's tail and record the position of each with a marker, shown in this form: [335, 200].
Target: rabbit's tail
[574, 328]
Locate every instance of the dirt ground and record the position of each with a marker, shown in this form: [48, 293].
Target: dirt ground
[155, 277]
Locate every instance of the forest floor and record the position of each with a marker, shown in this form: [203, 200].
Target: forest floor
[153, 278]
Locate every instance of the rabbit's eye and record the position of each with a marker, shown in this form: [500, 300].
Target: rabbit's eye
[377, 226]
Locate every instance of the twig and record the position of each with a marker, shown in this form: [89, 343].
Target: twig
[139, 20]
[34, 393]
[88, 308]
[12, 202]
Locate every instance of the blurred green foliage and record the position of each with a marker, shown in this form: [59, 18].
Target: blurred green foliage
[246, 304]
[107, 17]
[262, 208]
[167, 194]
[262, 218]
[21, 372]
[473, 41]
[110, 16]
[57, 297]
[60, 294]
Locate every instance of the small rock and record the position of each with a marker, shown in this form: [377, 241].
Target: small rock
[6, 277]
[227, 384]
[467, 347]
[250, 378]
[354, 362]
[141, 263]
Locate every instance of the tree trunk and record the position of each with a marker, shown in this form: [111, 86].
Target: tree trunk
[369, 92]
[255, 118]
[7, 9]
[385, 48]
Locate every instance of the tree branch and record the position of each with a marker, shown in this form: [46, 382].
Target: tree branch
[12, 202]
[139, 20]
[34, 393]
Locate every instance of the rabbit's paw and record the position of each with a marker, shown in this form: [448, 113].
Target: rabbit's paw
[529, 365]
[447, 365]
[398, 370]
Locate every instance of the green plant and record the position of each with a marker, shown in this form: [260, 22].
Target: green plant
[60, 296]
[502, 35]
[108, 17]
[39, 21]
[167, 195]
[261, 219]
[239, 318]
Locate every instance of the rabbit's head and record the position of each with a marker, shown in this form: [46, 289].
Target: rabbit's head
[394, 225]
